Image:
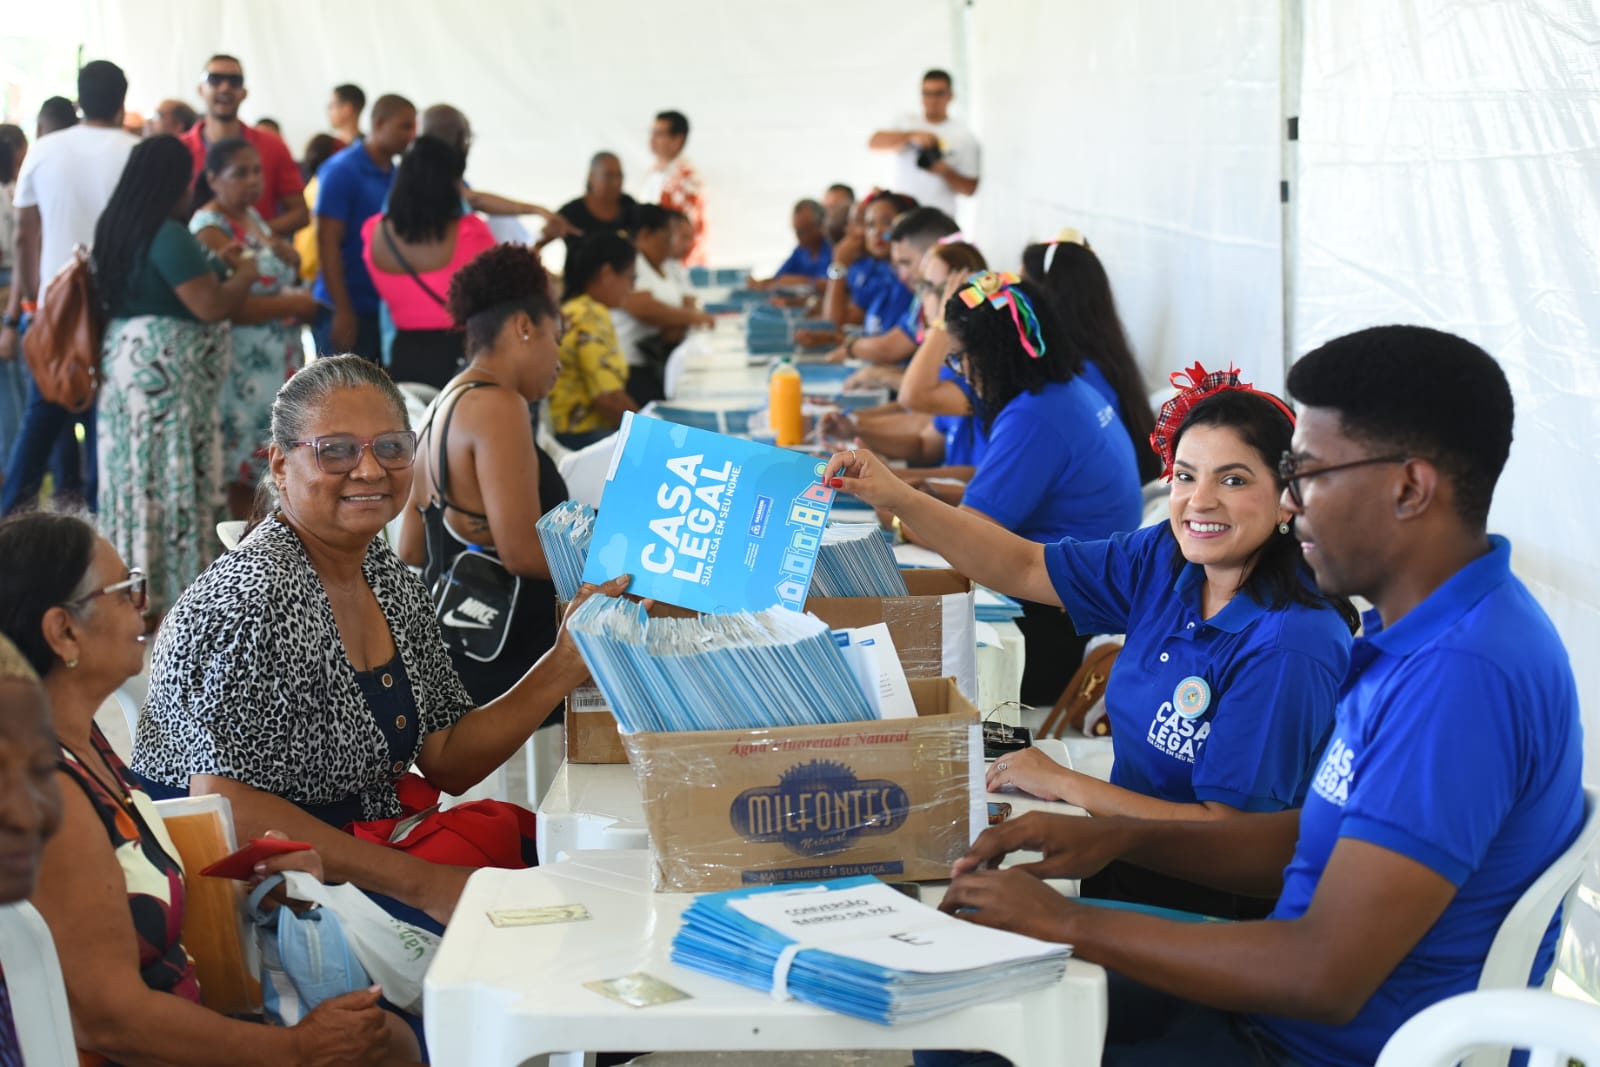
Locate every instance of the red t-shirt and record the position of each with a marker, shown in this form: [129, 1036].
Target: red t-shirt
[280, 174]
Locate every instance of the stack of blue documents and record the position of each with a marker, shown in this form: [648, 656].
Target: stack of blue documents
[702, 277]
[989, 606]
[771, 330]
[855, 560]
[717, 420]
[889, 959]
[565, 532]
[715, 672]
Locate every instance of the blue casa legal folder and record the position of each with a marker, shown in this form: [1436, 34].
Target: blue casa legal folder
[708, 522]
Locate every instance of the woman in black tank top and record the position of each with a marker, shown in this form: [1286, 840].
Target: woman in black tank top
[489, 494]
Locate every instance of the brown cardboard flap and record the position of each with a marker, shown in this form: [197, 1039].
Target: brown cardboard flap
[738, 807]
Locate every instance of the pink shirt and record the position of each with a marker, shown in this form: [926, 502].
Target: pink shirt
[409, 304]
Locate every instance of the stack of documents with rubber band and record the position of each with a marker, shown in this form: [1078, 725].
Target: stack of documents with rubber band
[565, 532]
[858, 947]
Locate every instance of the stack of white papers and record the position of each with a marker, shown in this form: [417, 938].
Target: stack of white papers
[856, 560]
[859, 947]
[565, 531]
[716, 672]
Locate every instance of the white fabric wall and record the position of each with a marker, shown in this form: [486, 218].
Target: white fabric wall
[1449, 159]
[1153, 127]
[781, 100]
[1448, 176]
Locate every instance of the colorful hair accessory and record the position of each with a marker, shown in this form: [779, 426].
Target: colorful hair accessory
[1195, 385]
[952, 238]
[1068, 236]
[1001, 292]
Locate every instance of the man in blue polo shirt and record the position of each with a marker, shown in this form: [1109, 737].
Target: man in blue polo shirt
[1451, 780]
[862, 286]
[352, 187]
[808, 263]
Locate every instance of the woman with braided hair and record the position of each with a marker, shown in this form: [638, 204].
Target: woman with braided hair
[1223, 696]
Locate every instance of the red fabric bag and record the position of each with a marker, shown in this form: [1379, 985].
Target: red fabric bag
[479, 833]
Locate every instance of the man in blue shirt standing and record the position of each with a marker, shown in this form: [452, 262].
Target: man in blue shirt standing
[1452, 778]
[352, 187]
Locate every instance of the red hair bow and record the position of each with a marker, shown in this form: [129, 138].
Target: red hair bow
[1194, 385]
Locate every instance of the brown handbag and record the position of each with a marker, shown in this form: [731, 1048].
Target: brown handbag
[62, 345]
[1083, 692]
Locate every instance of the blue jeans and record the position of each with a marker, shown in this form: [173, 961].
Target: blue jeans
[46, 439]
[369, 341]
[1147, 1028]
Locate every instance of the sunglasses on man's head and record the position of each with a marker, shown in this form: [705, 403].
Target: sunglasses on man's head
[217, 78]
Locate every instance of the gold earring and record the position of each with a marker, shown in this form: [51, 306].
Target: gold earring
[72, 664]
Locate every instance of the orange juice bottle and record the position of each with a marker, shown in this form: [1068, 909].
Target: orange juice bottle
[783, 399]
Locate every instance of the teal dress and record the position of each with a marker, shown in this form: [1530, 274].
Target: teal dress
[264, 354]
[160, 458]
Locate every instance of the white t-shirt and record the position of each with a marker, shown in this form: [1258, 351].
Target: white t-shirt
[69, 176]
[630, 331]
[960, 149]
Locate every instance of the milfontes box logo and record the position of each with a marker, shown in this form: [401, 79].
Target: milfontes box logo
[819, 808]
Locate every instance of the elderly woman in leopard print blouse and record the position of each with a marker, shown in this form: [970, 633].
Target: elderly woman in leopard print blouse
[303, 673]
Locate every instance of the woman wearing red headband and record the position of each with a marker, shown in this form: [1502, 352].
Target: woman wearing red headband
[1223, 695]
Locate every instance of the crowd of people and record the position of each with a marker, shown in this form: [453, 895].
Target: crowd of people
[1278, 756]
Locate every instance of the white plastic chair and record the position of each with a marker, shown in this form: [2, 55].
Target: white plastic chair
[38, 994]
[1509, 963]
[1553, 1029]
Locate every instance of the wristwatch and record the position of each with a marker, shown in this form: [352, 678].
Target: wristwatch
[835, 271]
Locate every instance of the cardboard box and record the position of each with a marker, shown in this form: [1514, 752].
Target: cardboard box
[934, 627]
[891, 797]
[592, 735]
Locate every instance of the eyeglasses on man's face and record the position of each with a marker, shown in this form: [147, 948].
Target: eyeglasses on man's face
[133, 585]
[217, 78]
[1290, 473]
[340, 453]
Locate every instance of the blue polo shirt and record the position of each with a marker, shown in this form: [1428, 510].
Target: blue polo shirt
[1234, 709]
[1057, 464]
[811, 264]
[962, 446]
[352, 188]
[876, 290]
[1092, 374]
[1456, 744]
[910, 323]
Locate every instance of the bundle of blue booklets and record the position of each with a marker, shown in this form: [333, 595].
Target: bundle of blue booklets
[564, 533]
[856, 560]
[715, 672]
[770, 330]
[888, 959]
[708, 522]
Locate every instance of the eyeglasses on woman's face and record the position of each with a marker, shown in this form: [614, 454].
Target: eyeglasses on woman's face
[340, 453]
[956, 360]
[134, 586]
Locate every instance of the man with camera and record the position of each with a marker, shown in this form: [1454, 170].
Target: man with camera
[938, 155]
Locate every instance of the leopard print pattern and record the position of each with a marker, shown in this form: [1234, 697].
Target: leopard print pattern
[249, 679]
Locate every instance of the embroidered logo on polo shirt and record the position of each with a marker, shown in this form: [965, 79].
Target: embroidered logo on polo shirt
[1332, 782]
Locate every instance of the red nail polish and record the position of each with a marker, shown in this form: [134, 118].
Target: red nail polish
[835, 483]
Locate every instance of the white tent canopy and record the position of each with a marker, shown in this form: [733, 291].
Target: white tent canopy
[1445, 173]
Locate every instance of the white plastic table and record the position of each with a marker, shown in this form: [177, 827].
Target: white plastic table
[496, 997]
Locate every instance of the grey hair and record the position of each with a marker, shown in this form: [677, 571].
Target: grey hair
[298, 400]
[14, 666]
[300, 397]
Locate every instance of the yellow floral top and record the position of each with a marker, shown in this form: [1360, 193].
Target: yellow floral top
[592, 364]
